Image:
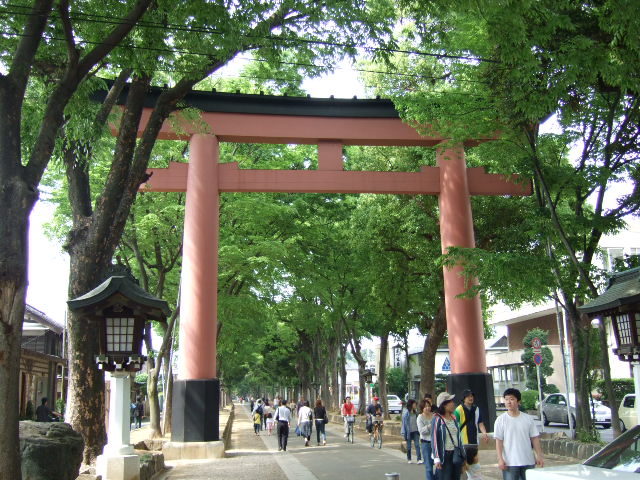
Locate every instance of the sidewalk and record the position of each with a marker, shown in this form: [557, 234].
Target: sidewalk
[247, 459]
[254, 457]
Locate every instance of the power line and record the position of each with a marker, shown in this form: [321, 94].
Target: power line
[102, 19]
[280, 62]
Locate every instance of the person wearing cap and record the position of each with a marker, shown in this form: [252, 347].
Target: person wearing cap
[515, 433]
[374, 411]
[445, 437]
[470, 420]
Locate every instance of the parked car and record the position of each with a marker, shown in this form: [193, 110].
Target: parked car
[394, 403]
[554, 409]
[619, 460]
[627, 412]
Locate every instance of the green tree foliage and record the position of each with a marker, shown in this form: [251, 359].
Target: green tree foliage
[621, 387]
[508, 68]
[397, 382]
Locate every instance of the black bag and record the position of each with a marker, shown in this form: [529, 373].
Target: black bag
[458, 450]
[260, 410]
[458, 456]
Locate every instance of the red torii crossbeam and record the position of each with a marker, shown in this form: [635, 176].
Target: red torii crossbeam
[330, 125]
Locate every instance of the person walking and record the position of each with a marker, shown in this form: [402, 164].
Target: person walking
[409, 430]
[470, 420]
[446, 439]
[305, 416]
[320, 414]
[259, 409]
[424, 427]
[267, 417]
[515, 433]
[139, 413]
[283, 417]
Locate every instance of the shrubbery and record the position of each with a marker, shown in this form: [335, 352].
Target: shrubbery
[621, 386]
[529, 399]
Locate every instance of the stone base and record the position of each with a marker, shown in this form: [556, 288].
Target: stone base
[118, 467]
[481, 384]
[195, 411]
[193, 450]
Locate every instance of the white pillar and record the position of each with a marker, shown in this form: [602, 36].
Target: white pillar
[636, 382]
[118, 460]
[118, 436]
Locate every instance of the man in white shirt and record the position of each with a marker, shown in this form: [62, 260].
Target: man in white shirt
[282, 415]
[515, 433]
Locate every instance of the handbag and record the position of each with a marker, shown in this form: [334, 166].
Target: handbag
[298, 430]
[458, 450]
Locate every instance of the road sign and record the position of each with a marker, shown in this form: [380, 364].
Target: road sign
[536, 345]
[537, 359]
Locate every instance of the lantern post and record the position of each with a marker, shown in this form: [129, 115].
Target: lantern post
[120, 309]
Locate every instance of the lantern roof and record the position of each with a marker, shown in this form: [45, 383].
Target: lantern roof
[623, 289]
[122, 283]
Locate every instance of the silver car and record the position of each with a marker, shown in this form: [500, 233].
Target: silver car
[554, 409]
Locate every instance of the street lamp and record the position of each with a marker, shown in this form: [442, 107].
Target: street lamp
[120, 309]
[621, 302]
[316, 387]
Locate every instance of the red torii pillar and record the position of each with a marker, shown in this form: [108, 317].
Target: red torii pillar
[197, 391]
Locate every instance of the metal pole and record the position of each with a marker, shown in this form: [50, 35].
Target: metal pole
[540, 398]
[566, 357]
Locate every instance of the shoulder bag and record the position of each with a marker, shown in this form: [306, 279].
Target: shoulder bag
[458, 450]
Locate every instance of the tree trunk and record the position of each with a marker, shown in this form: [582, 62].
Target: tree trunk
[581, 355]
[168, 400]
[606, 368]
[343, 373]
[382, 373]
[431, 344]
[154, 401]
[356, 348]
[85, 407]
[16, 202]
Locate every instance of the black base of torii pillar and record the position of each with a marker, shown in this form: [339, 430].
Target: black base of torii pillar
[195, 411]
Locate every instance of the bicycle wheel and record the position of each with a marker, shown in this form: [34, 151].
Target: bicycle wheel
[351, 428]
[379, 438]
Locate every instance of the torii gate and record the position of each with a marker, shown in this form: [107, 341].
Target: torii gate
[330, 124]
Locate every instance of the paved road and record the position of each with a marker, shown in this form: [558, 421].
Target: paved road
[606, 434]
[254, 457]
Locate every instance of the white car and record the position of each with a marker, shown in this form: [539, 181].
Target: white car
[619, 460]
[554, 409]
[394, 403]
[627, 412]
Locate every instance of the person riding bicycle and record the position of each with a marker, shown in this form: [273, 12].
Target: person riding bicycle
[374, 413]
[348, 412]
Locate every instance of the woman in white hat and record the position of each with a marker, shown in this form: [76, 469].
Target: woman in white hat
[446, 440]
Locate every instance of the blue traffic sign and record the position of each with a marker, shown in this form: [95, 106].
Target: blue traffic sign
[537, 359]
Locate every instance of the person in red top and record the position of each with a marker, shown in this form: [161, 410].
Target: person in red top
[348, 410]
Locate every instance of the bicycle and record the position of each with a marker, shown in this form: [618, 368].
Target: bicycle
[350, 419]
[375, 437]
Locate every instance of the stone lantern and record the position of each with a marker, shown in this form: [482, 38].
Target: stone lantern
[621, 303]
[120, 310]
